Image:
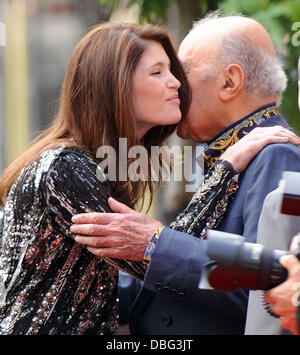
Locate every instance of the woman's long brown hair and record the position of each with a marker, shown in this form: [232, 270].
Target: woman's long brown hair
[95, 106]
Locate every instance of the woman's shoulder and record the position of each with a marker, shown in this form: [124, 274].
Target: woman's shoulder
[71, 152]
[72, 183]
[65, 157]
[74, 163]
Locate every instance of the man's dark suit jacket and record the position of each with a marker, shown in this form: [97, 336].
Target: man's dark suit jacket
[170, 301]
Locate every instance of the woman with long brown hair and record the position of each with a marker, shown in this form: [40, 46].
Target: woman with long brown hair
[122, 81]
[49, 284]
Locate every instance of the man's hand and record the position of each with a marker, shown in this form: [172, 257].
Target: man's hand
[284, 298]
[124, 234]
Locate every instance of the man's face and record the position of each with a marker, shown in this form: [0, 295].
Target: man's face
[203, 121]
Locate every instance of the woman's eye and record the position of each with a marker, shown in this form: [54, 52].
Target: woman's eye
[156, 72]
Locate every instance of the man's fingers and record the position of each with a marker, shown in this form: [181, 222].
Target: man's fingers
[102, 218]
[93, 218]
[289, 261]
[95, 230]
[119, 207]
[97, 251]
[108, 253]
[295, 243]
[111, 241]
[100, 242]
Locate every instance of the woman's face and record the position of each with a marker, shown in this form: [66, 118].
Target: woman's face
[154, 90]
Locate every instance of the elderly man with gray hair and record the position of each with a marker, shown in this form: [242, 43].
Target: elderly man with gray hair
[236, 82]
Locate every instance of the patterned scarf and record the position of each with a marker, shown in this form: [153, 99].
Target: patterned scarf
[234, 133]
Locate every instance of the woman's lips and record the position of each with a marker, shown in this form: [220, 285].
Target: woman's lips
[174, 99]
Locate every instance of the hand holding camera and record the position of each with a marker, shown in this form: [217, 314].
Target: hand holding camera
[284, 299]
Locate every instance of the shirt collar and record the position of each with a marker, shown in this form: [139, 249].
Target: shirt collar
[233, 133]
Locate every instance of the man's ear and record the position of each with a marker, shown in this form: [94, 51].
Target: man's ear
[233, 80]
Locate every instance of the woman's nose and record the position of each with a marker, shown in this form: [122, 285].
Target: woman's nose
[173, 82]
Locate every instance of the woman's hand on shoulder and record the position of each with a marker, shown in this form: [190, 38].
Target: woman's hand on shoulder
[242, 152]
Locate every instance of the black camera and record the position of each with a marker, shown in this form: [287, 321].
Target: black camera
[239, 264]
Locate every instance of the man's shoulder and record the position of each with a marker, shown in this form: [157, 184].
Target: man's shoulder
[276, 120]
[277, 151]
[271, 162]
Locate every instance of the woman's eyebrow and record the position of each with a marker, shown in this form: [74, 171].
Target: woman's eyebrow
[160, 64]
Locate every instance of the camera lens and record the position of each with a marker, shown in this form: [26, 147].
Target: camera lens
[238, 264]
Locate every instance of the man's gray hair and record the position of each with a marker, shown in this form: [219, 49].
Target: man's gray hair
[264, 74]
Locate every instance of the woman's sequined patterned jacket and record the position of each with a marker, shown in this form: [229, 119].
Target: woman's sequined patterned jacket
[48, 283]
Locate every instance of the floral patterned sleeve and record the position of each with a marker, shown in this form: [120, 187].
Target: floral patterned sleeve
[208, 205]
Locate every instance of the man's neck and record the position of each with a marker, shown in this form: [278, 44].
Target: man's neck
[242, 115]
[236, 131]
[235, 112]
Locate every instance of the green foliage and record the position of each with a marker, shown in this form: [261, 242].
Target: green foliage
[152, 10]
[110, 5]
[278, 17]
